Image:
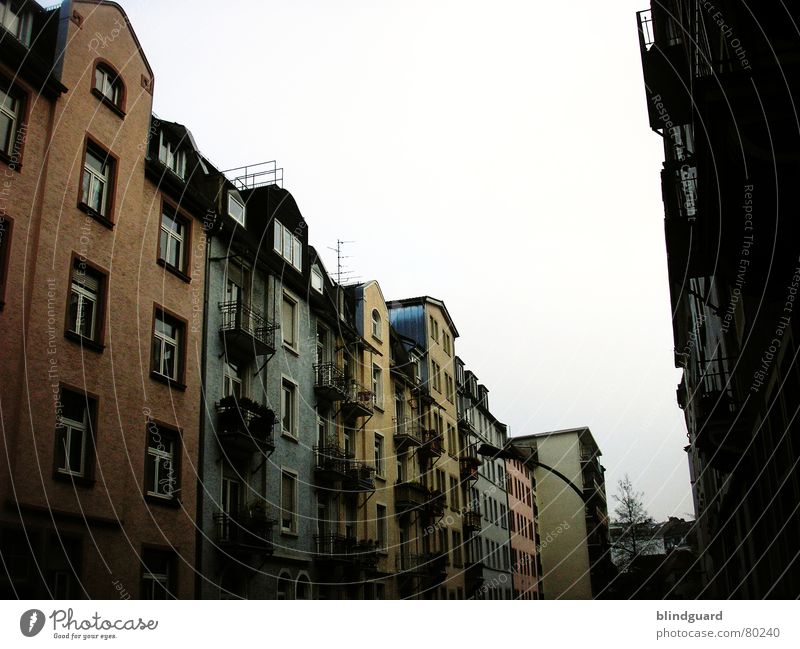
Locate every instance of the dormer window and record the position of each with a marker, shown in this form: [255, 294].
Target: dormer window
[236, 208]
[288, 246]
[16, 20]
[172, 157]
[316, 279]
[108, 86]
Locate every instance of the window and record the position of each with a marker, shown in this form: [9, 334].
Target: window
[316, 280]
[452, 440]
[376, 324]
[455, 503]
[284, 586]
[382, 532]
[503, 519]
[377, 386]
[173, 243]
[289, 322]
[232, 381]
[457, 561]
[168, 336]
[236, 208]
[446, 343]
[85, 316]
[161, 463]
[449, 388]
[10, 118]
[289, 408]
[16, 20]
[378, 454]
[288, 502]
[288, 246]
[434, 329]
[74, 434]
[437, 377]
[98, 178]
[108, 85]
[158, 574]
[444, 542]
[5, 252]
[171, 156]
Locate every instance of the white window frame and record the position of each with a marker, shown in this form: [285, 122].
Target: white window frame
[381, 526]
[94, 177]
[293, 433]
[20, 25]
[168, 453]
[72, 427]
[377, 325]
[239, 215]
[380, 455]
[171, 156]
[377, 386]
[103, 83]
[317, 281]
[288, 245]
[84, 295]
[173, 239]
[10, 107]
[163, 340]
[233, 375]
[295, 324]
[293, 529]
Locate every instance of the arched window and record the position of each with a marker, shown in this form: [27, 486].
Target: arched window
[376, 324]
[303, 588]
[285, 586]
[108, 86]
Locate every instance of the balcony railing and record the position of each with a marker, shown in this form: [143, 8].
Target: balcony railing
[330, 462]
[245, 331]
[432, 443]
[360, 476]
[359, 402]
[406, 433]
[244, 426]
[468, 463]
[250, 530]
[435, 504]
[472, 521]
[346, 549]
[409, 495]
[329, 382]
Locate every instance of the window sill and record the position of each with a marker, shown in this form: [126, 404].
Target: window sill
[289, 533]
[107, 102]
[85, 343]
[83, 207]
[171, 503]
[166, 380]
[290, 437]
[291, 349]
[10, 163]
[175, 271]
[74, 480]
[382, 478]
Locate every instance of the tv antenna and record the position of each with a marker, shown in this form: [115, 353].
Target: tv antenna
[343, 274]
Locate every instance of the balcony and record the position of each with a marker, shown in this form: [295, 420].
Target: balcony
[359, 402]
[435, 503]
[337, 548]
[473, 573]
[406, 434]
[360, 477]
[422, 393]
[465, 423]
[331, 464]
[249, 531]
[471, 521]
[409, 496]
[244, 427]
[244, 331]
[432, 443]
[329, 382]
[410, 565]
[468, 464]
[436, 566]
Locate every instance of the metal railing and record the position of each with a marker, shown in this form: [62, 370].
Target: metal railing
[236, 316]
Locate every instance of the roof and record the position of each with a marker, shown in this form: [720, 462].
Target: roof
[581, 431]
[423, 299]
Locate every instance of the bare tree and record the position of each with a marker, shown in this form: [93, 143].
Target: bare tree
[634, 527]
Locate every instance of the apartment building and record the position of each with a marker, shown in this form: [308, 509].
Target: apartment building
[523, 515]
[712, 73]
[486, 520]
[573, 516]
[428, 332]
[100, 273]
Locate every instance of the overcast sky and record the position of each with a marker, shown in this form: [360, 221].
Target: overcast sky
[493, 155]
